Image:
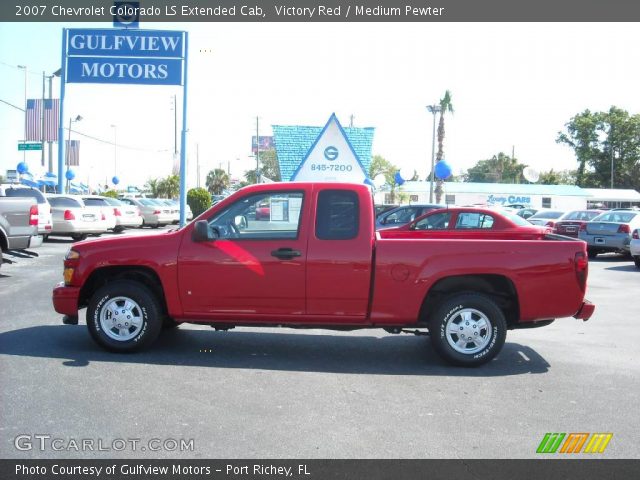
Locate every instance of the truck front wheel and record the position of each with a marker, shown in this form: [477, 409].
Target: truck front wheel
[468, 329]
[124, 316]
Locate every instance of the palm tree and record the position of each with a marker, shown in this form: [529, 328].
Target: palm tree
[445, 106]
[152, 186]
[169, 187]
[217, 181]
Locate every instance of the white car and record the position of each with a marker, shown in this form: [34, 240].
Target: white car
[71, 218]
[635, 247]
[124, 214]
[99, 203]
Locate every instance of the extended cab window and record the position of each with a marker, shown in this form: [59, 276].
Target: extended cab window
[264, 216]
[338, 215]
[474, 220]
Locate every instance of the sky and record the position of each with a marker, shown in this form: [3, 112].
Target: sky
[514, 86]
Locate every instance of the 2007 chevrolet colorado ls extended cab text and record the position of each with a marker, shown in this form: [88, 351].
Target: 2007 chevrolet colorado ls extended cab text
[315, 261]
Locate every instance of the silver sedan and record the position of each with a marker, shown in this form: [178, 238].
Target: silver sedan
[610, 231]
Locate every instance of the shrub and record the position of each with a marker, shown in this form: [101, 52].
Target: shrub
[199, 200]
[110, 193]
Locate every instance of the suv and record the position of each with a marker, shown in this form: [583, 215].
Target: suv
[44, 209]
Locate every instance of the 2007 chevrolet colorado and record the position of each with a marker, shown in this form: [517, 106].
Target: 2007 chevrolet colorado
[315, 261]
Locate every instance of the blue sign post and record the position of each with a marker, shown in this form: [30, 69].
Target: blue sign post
[126, 57]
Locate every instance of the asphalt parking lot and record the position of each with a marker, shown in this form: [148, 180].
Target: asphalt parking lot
[278, 393]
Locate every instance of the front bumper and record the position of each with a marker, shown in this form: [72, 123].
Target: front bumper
[586, 311]
[65, 299]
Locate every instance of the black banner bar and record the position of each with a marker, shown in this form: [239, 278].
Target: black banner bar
[459, 469]
[323, 11]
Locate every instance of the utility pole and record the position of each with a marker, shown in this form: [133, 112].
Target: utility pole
[24, 138]
[198, 164]
[257, 153]
[42, 124]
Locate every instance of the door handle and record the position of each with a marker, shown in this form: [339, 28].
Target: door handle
[286, 253]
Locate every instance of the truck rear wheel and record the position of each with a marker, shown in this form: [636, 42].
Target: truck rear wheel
[468, 329]
[124, 316]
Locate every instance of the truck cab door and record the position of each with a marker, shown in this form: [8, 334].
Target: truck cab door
[339, 256]
[255, 262]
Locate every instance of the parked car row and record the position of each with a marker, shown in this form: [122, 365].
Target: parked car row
[616, 230]
[78, 216]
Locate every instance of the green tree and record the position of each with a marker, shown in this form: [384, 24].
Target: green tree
[382, 166]
[217, 181]
[270, 167]
[152, 187]
[199, 200]
[602, 141]
[446, 106]
[169, 187]
[563, 177]
[500, 168]
[110, 193]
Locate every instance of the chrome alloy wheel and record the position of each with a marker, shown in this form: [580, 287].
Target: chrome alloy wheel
[121, 319]
[468, 331]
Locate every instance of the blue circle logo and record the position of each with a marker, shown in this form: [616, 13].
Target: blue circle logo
[331, 153]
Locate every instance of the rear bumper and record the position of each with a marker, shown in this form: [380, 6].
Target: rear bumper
[65, 299]
[586, 311]
[35, 241]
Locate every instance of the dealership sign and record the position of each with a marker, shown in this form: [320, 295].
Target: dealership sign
[125, 57]
[331, 158]
[145, 57]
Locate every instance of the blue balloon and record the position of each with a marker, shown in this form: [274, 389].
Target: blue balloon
[115, 180]
[70, 175]
[442, 170]
[22, 168]
[398, 178]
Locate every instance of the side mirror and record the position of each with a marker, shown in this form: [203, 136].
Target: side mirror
[202, 233]
[240, 221]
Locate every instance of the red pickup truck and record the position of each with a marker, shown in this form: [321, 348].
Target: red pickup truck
[318, 263]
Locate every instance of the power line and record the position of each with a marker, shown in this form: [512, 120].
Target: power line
[91, 137]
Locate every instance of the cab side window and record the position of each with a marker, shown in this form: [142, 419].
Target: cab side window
[337, 215]
[263, 216]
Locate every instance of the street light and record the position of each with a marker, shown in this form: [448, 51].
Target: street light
[115, 149]
[57, 73]
[71, 120]
[24, 67]
[434, 109]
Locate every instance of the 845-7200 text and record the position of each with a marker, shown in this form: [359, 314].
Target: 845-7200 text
[334, 167]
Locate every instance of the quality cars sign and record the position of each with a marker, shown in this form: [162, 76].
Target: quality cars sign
[125, 56]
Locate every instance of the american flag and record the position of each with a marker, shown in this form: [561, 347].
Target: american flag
[51, 119]
[73, 152]
[34, 119]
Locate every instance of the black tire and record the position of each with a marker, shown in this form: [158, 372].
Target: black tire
[169, 323]
[155, 226]
[484, 344]
[146, 310]
[636, 260]
[118, 229]
[79, 236]
[592, 252]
